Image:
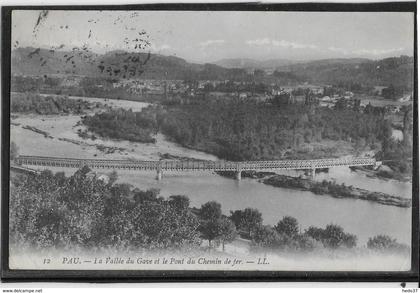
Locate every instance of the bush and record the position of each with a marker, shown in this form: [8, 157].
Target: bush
[333, 236]
[288, 226]
[384, 242]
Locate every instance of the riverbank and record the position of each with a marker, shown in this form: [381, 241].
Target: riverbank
[383, 172]
[323, 188]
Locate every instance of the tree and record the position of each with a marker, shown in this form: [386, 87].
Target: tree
[211, 210]
[335, 237]
[14, 151]
[266, 236]
[248, 219]
[227, 231]
[210, 214]
[214, 225]
[288, 226]
[350, 240]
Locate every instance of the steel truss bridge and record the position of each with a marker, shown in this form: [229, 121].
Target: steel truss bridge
[193, 165]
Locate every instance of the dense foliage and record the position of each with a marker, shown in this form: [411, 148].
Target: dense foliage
[54, 210]
[83, 210]
[35, 103]
[247, 220]
[124, 124]
[384, 242]
[247, 130]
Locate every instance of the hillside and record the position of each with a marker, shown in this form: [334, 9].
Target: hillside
[116, 64]
[396, 71]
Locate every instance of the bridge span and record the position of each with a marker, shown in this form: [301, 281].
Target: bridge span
[194, 165]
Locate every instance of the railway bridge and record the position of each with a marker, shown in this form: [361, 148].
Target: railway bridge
[195, 165]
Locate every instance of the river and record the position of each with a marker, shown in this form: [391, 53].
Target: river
[363, 218]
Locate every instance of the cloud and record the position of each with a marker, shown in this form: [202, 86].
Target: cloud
[280, 43]
[212, 42]
[259, 42]
[158, 48]
[375, 52]
[339, 50]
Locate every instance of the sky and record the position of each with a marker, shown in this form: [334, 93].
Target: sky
[208, 36]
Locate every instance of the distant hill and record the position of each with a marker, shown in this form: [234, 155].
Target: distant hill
[254, 64]
[115, 64]
[118, 64]
[396, 71]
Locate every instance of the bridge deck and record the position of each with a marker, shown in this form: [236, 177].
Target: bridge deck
[175, 165]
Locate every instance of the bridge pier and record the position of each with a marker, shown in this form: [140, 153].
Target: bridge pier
[312, 174]
[238, 175]
[159, 174]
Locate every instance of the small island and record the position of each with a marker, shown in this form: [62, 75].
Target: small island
[324, 187]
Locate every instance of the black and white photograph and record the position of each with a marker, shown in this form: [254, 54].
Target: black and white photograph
[211, 140]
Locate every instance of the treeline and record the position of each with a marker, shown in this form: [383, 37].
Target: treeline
[124, 124]
[88, 211]
[98, 87]
[247, 130]
[35, 103]
[360, 75]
